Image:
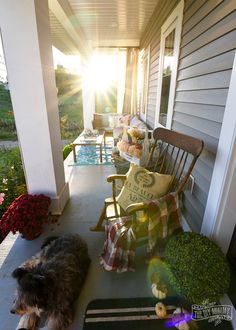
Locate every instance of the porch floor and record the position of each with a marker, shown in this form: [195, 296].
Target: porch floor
[88, 188]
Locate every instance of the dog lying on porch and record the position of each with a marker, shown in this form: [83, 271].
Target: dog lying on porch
[50, 282]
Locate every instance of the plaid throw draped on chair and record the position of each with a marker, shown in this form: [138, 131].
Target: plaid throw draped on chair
[119, 247]
[163, 218]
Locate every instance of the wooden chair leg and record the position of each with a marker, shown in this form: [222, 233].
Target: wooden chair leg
[98, 226]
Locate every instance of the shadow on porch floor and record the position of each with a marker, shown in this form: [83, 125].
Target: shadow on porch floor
[88, 188]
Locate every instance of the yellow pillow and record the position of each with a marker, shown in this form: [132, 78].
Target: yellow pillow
[142, 185]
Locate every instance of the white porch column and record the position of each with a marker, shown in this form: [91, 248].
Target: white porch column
[219, 218]
[88, 93]
[28, 53]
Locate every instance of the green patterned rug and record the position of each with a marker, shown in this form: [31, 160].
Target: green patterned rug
[90, 155]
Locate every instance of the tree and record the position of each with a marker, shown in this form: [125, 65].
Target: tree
[70, 102]
[67, 83]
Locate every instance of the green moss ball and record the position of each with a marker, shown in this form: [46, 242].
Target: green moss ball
[66, 150]
[197, 268]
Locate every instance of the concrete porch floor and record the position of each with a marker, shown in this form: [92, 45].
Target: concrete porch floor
[88, 188]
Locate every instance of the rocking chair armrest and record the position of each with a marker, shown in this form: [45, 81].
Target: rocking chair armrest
[132, 208]
[114, 177]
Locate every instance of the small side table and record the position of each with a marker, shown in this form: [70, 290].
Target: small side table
[96, 140]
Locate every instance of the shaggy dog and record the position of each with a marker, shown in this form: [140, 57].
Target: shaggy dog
[50, 282]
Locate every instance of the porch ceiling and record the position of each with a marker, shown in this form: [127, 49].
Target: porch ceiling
[99, 22]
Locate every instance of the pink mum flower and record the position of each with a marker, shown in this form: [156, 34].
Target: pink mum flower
[2, 195]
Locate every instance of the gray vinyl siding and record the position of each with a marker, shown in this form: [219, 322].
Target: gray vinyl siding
[206, 57]
[205, 63]
[152, 37]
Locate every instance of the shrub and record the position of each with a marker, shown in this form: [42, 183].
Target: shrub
[197, 267]
[12, 180]
[26, 215]
[69, 129]
[66, 150]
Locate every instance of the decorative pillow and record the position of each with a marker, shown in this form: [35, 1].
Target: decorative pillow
[142, 185]
[124, 121]
[136, 122]
[113, 121]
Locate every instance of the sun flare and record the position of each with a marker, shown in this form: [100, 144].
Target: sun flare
[72, 63]
[102, 72]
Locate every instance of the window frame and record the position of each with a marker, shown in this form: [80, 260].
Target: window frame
[174, 21]
[143, 97]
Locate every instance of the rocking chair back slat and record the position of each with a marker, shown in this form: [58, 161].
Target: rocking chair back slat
[173, 151]
[182, 170]
[169, 160]
[190, 144]
[158, 160]
[174, 162]
[176, 171]
[164, 158]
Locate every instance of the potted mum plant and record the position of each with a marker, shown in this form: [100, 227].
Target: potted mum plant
[26, 215]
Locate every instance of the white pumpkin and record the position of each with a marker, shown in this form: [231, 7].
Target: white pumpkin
[158, 293]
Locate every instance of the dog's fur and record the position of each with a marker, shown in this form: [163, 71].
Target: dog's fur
[50, 282]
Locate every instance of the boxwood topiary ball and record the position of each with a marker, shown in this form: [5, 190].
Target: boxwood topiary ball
[197, 268]
[66, 150]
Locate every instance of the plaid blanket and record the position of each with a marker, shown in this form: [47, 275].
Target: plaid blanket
[163, 218]
[119, 247]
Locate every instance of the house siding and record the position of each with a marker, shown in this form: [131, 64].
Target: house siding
[152, 37]
[206, 57]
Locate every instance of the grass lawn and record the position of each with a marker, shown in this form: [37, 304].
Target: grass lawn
[7, 122]
[70, 112]
[71, 115]
[69, 103]
[73, 110]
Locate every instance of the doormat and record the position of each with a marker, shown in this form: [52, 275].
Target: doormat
[137, 314]
[90, 155]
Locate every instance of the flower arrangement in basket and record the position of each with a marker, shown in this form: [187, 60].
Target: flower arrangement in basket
[26, 215]
[132, 142]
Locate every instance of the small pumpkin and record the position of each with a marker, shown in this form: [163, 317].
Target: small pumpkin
[131, 150]
[137, 152]
[158, 293]
[160, 310]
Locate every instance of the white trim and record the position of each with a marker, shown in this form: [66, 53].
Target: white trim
[217, 223]
[144, 93]
[59, 202]
[174, 21]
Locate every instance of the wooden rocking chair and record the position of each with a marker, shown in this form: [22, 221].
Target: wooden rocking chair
[172, 153]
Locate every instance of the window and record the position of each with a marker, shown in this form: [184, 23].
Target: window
[168, 61]
[143, 81]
